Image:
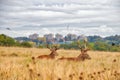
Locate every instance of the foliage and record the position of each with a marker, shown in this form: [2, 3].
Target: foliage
[94, 44]
[99, 45]
[26, 44]
[6, 41]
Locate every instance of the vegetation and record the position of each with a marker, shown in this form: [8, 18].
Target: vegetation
[26, 44]
[100, 46]
[8, 41]
[95, 43]
[21, 64]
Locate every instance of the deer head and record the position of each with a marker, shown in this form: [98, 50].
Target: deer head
[86, 56]
[83, 54]
[83, 57]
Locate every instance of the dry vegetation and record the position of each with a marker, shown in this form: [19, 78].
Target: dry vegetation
[19, 64]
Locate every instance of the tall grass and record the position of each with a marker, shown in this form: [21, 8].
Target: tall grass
[21, 64]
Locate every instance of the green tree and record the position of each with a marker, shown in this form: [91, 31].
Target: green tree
[26, 44]
[6, 41]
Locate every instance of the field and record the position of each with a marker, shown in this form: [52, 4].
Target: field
[19, 64]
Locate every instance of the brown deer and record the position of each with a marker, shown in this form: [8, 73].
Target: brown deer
[81, 57]
[51, 55]
[84, 50]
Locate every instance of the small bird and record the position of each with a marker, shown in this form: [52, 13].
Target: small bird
[8, 28]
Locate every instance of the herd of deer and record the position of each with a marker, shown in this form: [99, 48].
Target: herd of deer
[53, 53]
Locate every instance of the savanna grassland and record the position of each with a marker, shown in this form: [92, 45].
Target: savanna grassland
[21, 64]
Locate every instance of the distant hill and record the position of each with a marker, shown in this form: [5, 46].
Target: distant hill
[110, 39]
[95, 38]
[22, 39]
[115, 39]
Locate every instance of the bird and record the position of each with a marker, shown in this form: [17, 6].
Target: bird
[8, 28]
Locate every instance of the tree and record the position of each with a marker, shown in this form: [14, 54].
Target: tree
[26, 44]
[6, 41]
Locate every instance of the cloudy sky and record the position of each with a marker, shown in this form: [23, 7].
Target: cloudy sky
[88, 17]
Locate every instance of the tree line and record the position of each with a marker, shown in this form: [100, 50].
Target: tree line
[93, 45]
[8, 41]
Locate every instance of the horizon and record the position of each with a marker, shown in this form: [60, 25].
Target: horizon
[63, 35]
[80, 17]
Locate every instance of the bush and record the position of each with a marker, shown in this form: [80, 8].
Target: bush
[6, 41]
[26, 44]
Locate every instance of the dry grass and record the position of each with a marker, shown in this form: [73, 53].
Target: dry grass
[17, 64]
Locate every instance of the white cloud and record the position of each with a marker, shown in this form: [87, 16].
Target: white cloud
[105, 29]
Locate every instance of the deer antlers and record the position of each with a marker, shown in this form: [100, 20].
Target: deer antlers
[54, 47]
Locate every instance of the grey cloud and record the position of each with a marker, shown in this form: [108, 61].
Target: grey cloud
[23, 15]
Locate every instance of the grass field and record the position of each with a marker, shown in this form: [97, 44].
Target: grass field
[17, 64]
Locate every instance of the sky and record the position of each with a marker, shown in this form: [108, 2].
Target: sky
[88, 17]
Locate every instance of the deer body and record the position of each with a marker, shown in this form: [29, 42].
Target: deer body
[81, 57]
[51, 55]
[69, 59]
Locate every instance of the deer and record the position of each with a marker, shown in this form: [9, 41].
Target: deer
[81, 57]
[84, 51]
[51, 55]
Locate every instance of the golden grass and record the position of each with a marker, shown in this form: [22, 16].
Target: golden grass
[18, 64]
